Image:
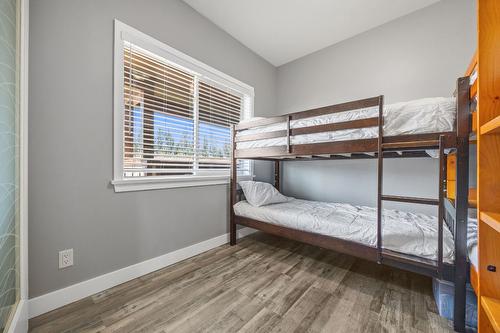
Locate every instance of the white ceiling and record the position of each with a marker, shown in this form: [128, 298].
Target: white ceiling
[284, 30]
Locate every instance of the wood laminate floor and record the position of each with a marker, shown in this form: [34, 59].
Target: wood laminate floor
[263, 284]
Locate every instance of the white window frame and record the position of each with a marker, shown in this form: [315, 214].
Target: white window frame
[124, 32]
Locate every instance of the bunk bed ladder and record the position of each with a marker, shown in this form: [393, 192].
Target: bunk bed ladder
[431, 267]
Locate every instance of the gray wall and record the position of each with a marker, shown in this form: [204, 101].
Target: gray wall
[418, 55]
[71, 204]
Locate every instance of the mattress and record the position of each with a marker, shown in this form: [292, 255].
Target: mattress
[472, 241]
[427, 115]
[409, 233]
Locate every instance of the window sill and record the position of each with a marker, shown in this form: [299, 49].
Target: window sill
[158, 183]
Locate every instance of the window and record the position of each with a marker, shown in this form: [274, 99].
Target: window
[173, 116]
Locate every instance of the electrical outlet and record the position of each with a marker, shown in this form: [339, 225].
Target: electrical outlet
[65, 258]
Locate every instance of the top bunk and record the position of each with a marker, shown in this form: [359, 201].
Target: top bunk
[353, 130]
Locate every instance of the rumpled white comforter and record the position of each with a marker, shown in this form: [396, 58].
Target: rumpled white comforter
[408, 233]
[426, 115]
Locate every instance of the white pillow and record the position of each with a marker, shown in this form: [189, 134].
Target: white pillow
[261, 194]
[250, 119]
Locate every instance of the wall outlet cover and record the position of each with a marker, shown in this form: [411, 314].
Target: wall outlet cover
[65, 258]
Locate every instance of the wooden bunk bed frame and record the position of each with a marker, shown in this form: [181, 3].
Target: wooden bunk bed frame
[454, 213]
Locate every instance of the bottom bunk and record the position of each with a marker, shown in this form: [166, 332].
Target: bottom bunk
[354, 230]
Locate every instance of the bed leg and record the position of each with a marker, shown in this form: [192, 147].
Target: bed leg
[461, 203]
[461, 237]
[459, 304]
[232, 231]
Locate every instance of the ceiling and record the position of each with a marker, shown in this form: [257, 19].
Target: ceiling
[283, 30]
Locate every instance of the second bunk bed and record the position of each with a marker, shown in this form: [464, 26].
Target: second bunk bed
[432, 246]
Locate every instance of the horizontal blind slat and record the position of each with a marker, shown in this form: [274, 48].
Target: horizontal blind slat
[146, 80]
[156, 91]
[139, 55]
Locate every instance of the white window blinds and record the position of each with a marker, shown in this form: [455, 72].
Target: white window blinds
[175, 122]
[217, 111]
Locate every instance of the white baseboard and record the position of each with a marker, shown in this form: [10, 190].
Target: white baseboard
[19, 323]
[53, 300]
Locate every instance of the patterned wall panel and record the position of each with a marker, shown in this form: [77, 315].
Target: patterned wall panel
[9, 160]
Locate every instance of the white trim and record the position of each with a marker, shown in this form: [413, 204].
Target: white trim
[196, 115]
[143, 184]
[53, 300]
[201, 71]
[19, 321]
[118, 104]
[126, 32]
[158, 183]
[24, 148]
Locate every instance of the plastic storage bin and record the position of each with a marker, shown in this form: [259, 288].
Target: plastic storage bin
[444, 292]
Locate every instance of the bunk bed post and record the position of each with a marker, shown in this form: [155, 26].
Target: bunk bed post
[380, 173]
[288, 134]
[232, 189]
[277, 170]
[461, 201]
[442, 173]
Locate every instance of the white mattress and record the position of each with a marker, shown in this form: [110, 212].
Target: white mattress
[409, 233]
[472, 241]
[473, 258]
[416, 117]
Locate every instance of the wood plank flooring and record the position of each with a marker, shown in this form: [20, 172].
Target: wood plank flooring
[263, 284]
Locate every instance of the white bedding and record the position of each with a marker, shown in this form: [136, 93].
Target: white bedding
[472, 241]
[420, 116]
[408, 233]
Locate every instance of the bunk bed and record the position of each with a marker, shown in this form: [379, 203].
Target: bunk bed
[367, 129]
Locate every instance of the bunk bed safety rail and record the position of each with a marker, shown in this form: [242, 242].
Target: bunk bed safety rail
[289, 149]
